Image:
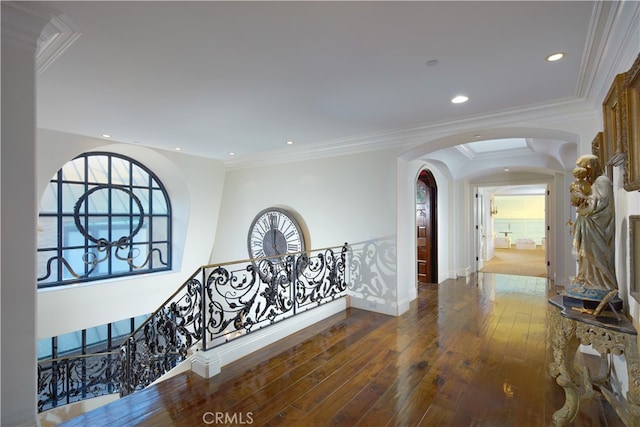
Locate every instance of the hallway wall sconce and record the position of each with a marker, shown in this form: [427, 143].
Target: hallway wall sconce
[493, 209]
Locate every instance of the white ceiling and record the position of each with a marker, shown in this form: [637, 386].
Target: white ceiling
[245, 77]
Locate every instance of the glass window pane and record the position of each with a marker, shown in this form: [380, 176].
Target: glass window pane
[142, 235]
[123, 201]
[49, 200]
[73, 171]
[139, 320]
[47, 232]
[44, 349]
[159, 258]
[121, 265]
[96, 335]
[70, 195]
[69, 342]
[123, 226]
[139, 177]
[98, 228]
[119, 171]
[140, 256]
[98, 169]
[121, 328]
[159, 203]
[42, 261]
[160, 228]
[74, 258]
[120, 201]
[71, 236]
[97, 201]
[143, 196]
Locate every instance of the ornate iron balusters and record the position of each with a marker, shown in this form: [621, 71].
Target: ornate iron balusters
[66, 380]
[321, 278]
[163, 340]
[217, 304]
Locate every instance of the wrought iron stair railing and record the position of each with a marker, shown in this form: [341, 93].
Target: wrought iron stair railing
[70, 379]
[217, 304]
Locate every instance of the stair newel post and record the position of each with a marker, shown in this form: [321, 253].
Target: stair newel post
[346, 260]
[125, 375]
[203, 306]
[293, 280]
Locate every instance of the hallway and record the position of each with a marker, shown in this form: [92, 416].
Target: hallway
[522, 262]
[467, 353]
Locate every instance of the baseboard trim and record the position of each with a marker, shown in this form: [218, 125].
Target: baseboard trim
[209, 363]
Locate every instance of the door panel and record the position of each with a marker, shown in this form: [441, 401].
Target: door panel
[425, 238]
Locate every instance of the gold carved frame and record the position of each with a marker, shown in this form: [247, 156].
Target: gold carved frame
[632, 110]
[634, 255]
[615, 132]
[598, 149]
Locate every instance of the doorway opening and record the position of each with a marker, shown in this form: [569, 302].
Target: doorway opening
[426, 228]
[515, 239]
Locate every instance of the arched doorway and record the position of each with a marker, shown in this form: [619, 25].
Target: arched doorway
[426, 228]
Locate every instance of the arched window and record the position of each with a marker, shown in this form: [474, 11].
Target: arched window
[102, 215]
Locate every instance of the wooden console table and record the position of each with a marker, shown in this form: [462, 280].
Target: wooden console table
[568, 329]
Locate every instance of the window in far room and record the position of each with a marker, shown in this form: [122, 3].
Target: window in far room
[103, 215]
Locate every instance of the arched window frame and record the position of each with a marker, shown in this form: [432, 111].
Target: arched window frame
[103, 215]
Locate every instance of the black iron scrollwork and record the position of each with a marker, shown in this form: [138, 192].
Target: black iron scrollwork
[163, 340]
[216, 305]
[322, 279]
[121, 248]
[67, 380]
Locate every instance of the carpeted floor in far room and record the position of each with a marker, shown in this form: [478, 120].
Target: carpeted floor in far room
[523, 262]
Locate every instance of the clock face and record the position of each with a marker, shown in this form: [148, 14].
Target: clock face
[274, 232]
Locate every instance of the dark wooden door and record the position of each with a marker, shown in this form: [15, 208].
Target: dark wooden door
[426, 251]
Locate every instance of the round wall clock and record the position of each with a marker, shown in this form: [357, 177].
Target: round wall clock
[273, 232]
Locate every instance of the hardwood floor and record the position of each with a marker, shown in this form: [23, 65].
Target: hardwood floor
[467, 353]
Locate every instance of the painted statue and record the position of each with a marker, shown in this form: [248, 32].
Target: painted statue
[593, 232]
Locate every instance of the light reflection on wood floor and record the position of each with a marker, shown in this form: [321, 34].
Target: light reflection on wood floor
[467, 353]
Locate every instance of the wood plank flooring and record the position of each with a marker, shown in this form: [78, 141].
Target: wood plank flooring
[469, 352]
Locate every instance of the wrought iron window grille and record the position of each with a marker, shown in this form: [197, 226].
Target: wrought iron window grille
[103, 215]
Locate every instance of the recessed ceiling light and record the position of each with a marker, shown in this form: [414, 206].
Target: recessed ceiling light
[106, 135]
[178, 149]
[506, 169]
[231, 153]
[555, 56]
[460, 99]
[289, 142]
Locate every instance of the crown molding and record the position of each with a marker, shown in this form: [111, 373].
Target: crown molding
[55, 38]
[405, 140]
[613, 45]
[42, 30]
[21, 25]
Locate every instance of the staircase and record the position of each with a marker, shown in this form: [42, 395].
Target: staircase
[216, 305]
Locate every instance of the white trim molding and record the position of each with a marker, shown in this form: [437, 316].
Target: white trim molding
[209, 363]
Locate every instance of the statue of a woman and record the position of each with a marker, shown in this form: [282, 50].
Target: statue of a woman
[594, 235]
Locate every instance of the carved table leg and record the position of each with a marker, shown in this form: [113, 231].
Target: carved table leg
[633, 371]
[564, 345]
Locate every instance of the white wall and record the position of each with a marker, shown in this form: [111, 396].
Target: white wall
[194, 185]
[408, 173]
[18, 216]
[339, 199]
[349, 198]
